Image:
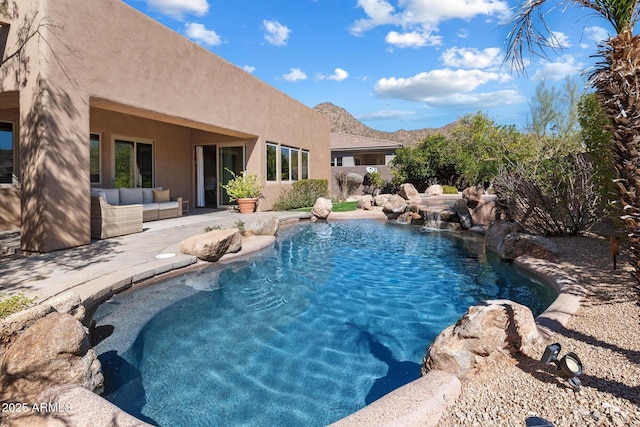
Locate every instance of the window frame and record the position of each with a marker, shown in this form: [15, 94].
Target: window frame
[135, 142]
[15, 181]
[288, 164]
[99, 140]
[276, 170]
[304, 170]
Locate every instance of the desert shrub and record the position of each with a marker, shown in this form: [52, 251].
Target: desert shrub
[345, 186]
[449, 189]
[302, 194]
[14, 304]
[373, 182]
[554, 197]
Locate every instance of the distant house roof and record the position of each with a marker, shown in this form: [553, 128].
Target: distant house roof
[344, 141]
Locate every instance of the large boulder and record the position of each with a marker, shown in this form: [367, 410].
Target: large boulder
[434, 190]
[212, 245]
[14, 325]
[485, 212]
[266, 227]
[495, 329]
[395, 205]
[460, 206]
[381, 199]
[495, 234]
[322, 208]
[365, 202]
[354, 179]
[55, 350]
[516, 244]
[473, 195]
[408, 191]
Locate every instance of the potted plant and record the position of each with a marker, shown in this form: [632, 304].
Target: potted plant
[245, 189]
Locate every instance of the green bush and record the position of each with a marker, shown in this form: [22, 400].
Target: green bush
[449, 189]
[14, 304]
[302, 194]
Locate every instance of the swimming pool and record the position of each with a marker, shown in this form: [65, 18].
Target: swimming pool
[333, 317]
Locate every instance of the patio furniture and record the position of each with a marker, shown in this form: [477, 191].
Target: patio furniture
[156, 202]
[111, 221]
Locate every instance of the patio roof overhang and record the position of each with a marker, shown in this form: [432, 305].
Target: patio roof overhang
[106, 104]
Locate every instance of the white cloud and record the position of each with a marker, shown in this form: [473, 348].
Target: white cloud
[179, 8]
[386, 115]
[490, 57]
[412, 39]
[428, 86]
[249, 68]
[198, 33]
[276, 33]
[478, 100]
[559, 40]
[379, 12]
[424, 16]
[294, 75]
[339, 75]
[595, 34]
[558, 70]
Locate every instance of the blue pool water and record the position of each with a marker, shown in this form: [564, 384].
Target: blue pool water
[333, 317]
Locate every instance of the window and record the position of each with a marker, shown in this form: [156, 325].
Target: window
[7, 161]
[285, 159]
[272, 167]
[133, 164]
[295, 167]
[305, 165]
[336, 161]
[94, 158]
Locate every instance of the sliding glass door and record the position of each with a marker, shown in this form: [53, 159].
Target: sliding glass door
[231, 158]
[133, 162]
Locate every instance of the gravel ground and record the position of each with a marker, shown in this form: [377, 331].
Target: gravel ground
[605, 334]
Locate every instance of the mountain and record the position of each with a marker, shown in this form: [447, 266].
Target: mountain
[343, 122]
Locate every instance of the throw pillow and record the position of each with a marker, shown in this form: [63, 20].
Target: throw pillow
[160, 196]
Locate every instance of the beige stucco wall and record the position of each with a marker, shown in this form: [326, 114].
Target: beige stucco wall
[105, 55]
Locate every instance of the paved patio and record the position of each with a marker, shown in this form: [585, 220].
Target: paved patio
[111, 265]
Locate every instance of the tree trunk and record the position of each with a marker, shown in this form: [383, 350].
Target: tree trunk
[617, 81]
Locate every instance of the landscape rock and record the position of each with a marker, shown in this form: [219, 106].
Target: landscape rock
[212, 245]
[473, 195]
[12, 326]
[494, 329]
[381, 199]
[68, 303]
[395, 204]
[516, 244]
[408, 191]
[365, 202]
[266, 227]
[495, 234]
[354, 179]
[434, 190]
[322, 208]
[55, 350]
[460, 206]
[485, 212]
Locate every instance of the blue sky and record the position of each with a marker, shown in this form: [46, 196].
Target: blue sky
[393, 64]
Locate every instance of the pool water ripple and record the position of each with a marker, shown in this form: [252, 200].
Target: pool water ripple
[336, 317]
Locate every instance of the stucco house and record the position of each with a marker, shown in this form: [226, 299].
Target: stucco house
[101, 95]
[352, 153]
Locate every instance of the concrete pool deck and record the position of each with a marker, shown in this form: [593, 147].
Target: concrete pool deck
[106, 267]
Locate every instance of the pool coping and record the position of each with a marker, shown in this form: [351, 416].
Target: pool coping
[421, 402]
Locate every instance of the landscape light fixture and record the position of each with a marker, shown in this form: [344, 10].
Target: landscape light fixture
[569, 366]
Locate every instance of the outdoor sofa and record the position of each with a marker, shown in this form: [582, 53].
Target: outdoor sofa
[120, 211]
